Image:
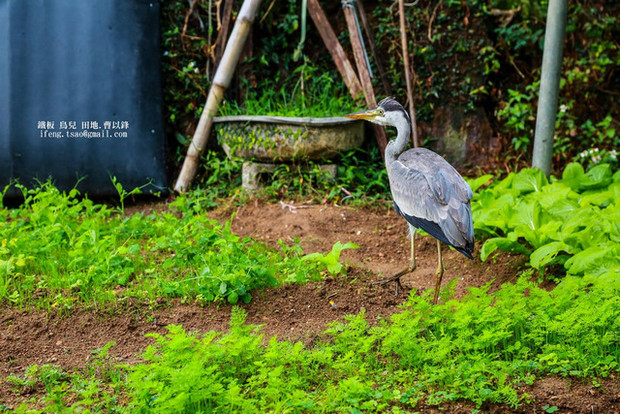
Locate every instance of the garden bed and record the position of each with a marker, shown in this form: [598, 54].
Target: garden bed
[291, 312]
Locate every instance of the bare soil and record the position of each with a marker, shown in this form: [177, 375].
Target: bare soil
[295, 312]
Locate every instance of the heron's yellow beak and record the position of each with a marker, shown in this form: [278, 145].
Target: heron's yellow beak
[366, 115]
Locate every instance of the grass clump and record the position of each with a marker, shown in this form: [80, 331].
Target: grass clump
[307, 92]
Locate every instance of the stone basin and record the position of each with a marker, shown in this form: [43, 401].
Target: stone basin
[276, 138]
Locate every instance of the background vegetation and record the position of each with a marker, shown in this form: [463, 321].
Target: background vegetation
[475, 54]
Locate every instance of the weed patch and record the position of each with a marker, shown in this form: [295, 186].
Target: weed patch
[60, 249]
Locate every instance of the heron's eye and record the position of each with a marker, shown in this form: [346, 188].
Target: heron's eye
[381, 112]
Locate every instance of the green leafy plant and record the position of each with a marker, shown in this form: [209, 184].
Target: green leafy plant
[331, 259]
[570, 222]
[124, 194]
[48, 375]
[518, 114]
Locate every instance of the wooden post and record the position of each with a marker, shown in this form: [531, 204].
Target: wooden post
[362, 69]
[335, 49]
[373, 48]
[403, 42]
[221, 80]
[222, 35]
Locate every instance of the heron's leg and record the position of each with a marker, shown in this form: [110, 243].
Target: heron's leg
[412, 260]
[396, 277]
[439, 273]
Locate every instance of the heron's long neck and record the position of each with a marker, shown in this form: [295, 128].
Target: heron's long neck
[399, 145]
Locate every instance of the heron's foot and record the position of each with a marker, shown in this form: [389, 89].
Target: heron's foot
[396, 278]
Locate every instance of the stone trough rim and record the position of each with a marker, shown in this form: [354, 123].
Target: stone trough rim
[301, 121]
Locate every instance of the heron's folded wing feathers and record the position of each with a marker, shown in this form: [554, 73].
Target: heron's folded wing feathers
[434, 194]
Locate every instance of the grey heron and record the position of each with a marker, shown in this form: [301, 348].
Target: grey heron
[427, 191]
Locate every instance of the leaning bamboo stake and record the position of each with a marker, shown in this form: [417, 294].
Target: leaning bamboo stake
[221, 80]
[403, 42]
[360, 59]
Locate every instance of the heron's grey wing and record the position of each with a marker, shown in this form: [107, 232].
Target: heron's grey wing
[433, 196]
[450, 185]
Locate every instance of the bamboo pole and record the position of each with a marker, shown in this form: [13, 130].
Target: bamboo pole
[221, 80]
[403, 42]
[335, 48]
[362, 69]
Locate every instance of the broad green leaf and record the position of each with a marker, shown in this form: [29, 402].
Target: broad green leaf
[530, 179]
[596, 256]
[599, 175]
[339, 247]
[531, 235]
[602, 197]
[562, 208]
[502, 243]
[550, 230]
[134, 249]
[547, 253]
[334, 268]
[504, 184]
[527, 213]
[572, 171]
[476, 183]
[233, 297]
[330, 260]
[572, 176]
[313, 256]
[555, 193]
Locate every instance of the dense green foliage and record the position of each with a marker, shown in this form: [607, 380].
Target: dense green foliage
[361, 179]
[316, 93]
[479, 348]
[58, 249]
[573, 221]
[487, 54]
[477, 55]
[463, 349]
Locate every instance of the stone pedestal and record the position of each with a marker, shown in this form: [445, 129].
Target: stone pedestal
[251, 170]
